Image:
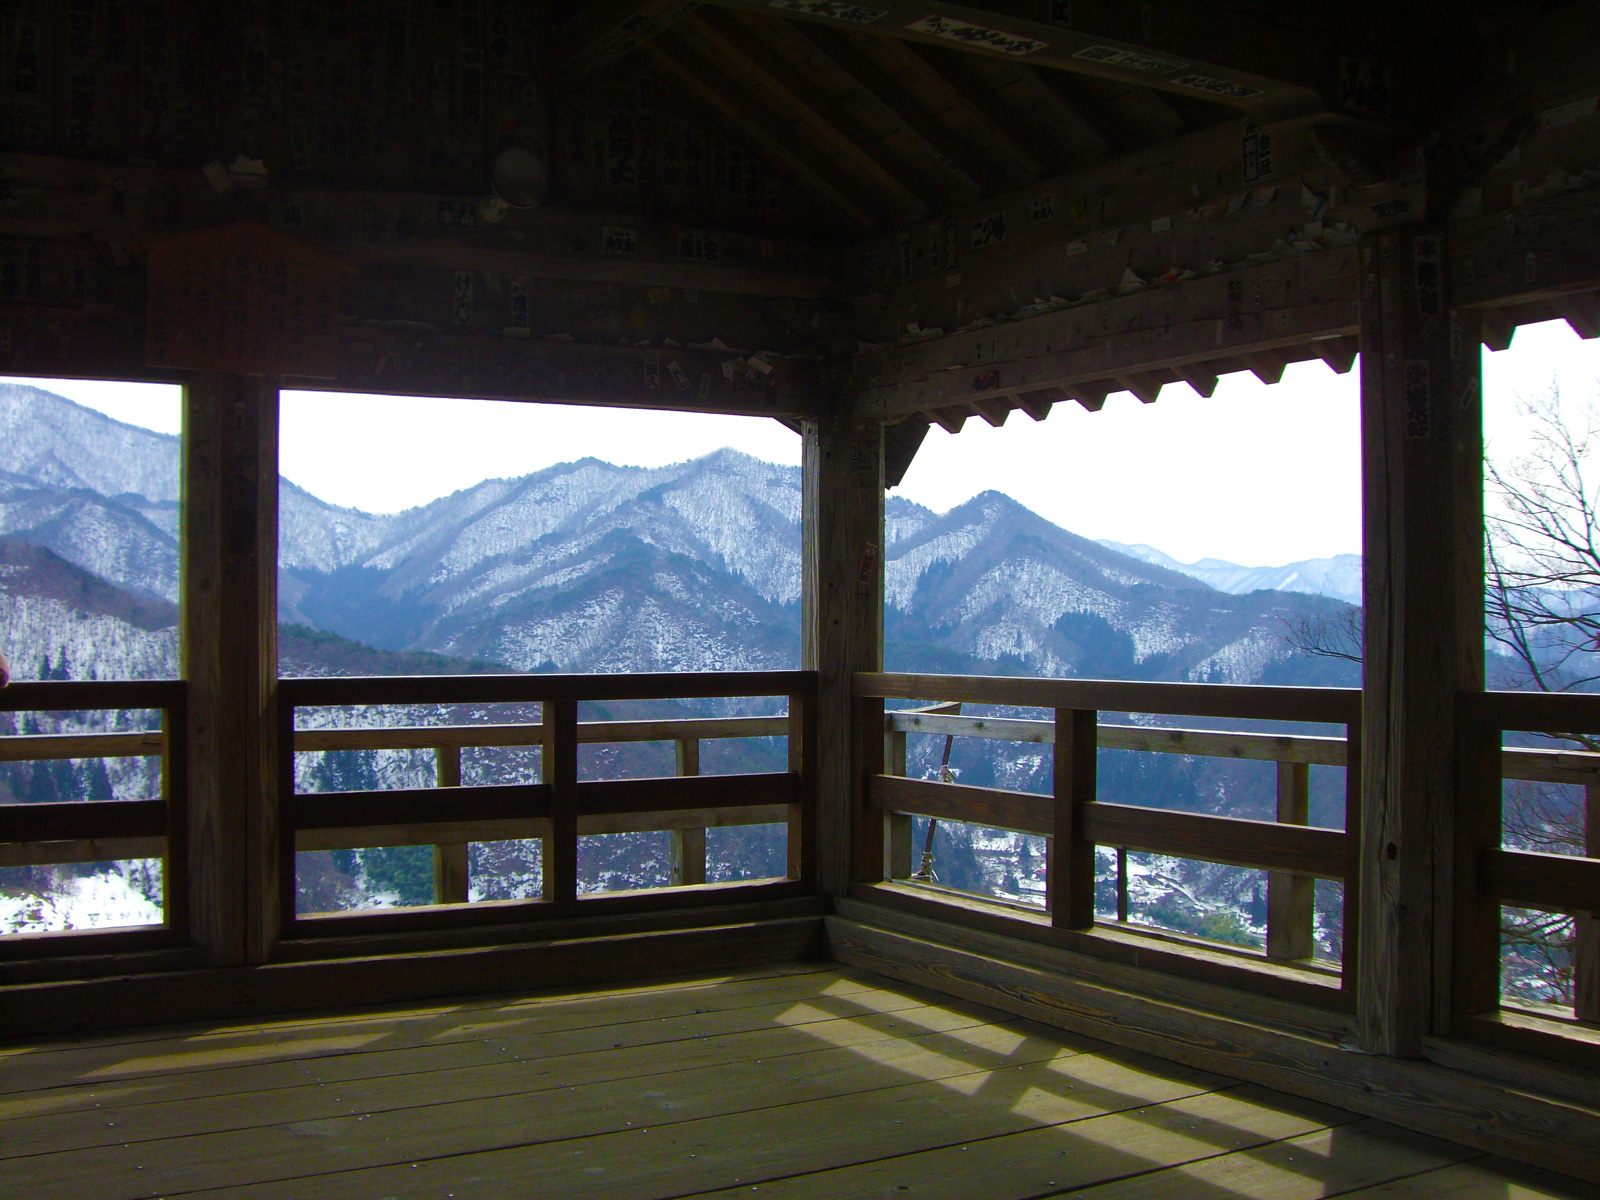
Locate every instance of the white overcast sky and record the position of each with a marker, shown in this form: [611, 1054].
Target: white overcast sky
[1256, 475]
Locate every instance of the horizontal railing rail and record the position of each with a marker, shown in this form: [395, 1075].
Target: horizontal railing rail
[1074, 821]
[559, 808]
[1493, 875]
[1517, 762]
[68, 832]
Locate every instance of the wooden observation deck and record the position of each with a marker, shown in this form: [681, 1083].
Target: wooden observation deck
[861, 220]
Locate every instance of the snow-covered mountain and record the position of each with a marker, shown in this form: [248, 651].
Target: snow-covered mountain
[586, 566]
[1338, 576]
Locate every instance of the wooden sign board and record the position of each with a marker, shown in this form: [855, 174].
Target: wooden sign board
[243, 298]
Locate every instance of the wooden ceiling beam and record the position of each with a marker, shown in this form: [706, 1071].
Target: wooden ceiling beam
[1265, 366]
[1339, 353]
[994, 137]
[901, 441]
[1089, 394]
[948, 419]
[1232, 58]
[877, 91]
[1193, 332]
[1145, 387]
[1497, 330]
[993, 411]
[604, 33]
[1204, 382]
[69, 200]
[692, 74]
[1038, 403]
[776, 84]
[1582, 313]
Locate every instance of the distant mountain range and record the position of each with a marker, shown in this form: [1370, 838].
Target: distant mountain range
[587, 566]
[1338, 576]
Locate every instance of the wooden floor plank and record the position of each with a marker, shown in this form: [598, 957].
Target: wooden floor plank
[1330, 1162]
[818, 1083]
[294, 1042]
[535, 1035]
[1056, 1158]
[552, 1064]
[419, 1025]
[1483, 1179]
[767, 1141]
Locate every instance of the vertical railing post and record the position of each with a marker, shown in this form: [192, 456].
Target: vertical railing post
[559, 757]
[1586, 935]
[449, 858]
[1070, 882]
[1122, 884]
[897, 826]
[1291, 899]
[686, 848]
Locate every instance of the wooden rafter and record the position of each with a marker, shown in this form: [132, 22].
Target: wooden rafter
[1149, 119]
[1170, 45]
[1080, 136]
[1078, 95]
[774, 82]
[876, 91]
[992, 137]
[692, 73]
[1037, 404]
[601, 34]
[1338, 352]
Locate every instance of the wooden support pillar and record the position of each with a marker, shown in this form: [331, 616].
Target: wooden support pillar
[1422, 500]
[559, 767]
[842, 622]
[237, 894]
[1069, 878]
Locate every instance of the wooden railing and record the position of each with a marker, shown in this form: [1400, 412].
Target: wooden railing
[558, 808]
[1289, 896]
[1490, 875]
[1075, 821]
[78, 831]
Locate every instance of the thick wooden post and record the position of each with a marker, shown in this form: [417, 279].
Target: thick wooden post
[237, 894]
[842, 621]
[1069, 880]
[559, 767]
[1422, 499]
